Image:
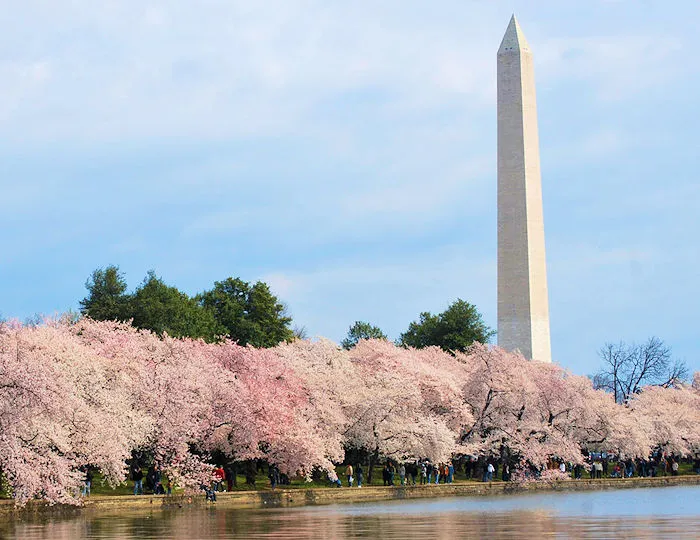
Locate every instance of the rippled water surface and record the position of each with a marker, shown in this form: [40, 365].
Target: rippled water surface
[672, 512]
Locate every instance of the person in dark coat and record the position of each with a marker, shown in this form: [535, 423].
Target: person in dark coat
[137, 477]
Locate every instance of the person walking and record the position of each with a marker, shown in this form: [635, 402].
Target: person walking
[641, 467]
[450, 472]
[230, 472]
[348, 474]
[137, 476]
[489, 472]
[219, 477]
[402, 474]
[157, 481]
[598, 469]
[506, 472]
[274, 474]
[360, 474]
[88, 482]
[391, 471]
[423, 474]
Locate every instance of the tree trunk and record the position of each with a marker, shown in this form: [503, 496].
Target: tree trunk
[373, 458]
[250, 472]
[233, 467]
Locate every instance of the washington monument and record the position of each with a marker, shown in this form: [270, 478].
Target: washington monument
[523, 307]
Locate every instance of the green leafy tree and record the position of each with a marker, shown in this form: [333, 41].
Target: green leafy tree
[164, 309]
[361, 330]
[455, 329]
[106, 299]
[248, 314]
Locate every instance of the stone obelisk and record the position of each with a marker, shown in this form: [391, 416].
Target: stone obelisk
[523, 306]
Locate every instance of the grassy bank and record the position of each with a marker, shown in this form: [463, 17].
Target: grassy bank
[262, 482]
[294, 496]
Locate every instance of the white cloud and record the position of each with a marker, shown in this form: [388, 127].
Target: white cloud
[335, 128]
[115, 70]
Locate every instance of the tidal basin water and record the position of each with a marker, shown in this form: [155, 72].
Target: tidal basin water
[672, 512]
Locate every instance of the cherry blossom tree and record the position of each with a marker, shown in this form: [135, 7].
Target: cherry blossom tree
[61, 407]
[241, 401]
[411, 405]
[332, 389]
[244, 402]
[671, 417]
[497, 390]
[86, 393]
[537, 412]
[281, 424]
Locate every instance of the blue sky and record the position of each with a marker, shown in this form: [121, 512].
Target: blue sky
[345, 152]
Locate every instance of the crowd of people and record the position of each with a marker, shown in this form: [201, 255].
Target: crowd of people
[424, 472]
[607, 465]
[601, 465]
[157, 483]
[418, 472]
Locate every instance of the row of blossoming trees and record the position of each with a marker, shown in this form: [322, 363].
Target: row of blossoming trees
[83, 393]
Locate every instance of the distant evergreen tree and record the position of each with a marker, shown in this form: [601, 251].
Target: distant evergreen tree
[106, 299]
[248, 314]
[455, 329]
[163, 309]
[361, 330]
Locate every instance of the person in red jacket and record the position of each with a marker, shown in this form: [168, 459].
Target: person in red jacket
[219, 477]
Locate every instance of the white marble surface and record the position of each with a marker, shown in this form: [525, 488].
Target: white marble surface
[523, 306]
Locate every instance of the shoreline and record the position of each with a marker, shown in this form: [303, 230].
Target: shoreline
[280, 498]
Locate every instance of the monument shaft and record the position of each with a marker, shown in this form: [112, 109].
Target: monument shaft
[523, 306]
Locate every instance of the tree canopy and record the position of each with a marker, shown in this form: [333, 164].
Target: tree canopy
[163, 309]
[94, 392]
[361, 330]
[107, 299]
[455, 329]
[246, 313]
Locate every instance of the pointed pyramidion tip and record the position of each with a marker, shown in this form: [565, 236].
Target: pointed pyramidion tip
[514, 39]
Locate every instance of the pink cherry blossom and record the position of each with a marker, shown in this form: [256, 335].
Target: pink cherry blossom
[79, 393]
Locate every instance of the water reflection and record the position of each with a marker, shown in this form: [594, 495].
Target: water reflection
[562, 515]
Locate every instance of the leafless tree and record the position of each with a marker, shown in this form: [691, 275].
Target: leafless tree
[300, 332]
[627, 368]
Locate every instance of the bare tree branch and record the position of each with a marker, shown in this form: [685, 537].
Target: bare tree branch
[627, 368]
